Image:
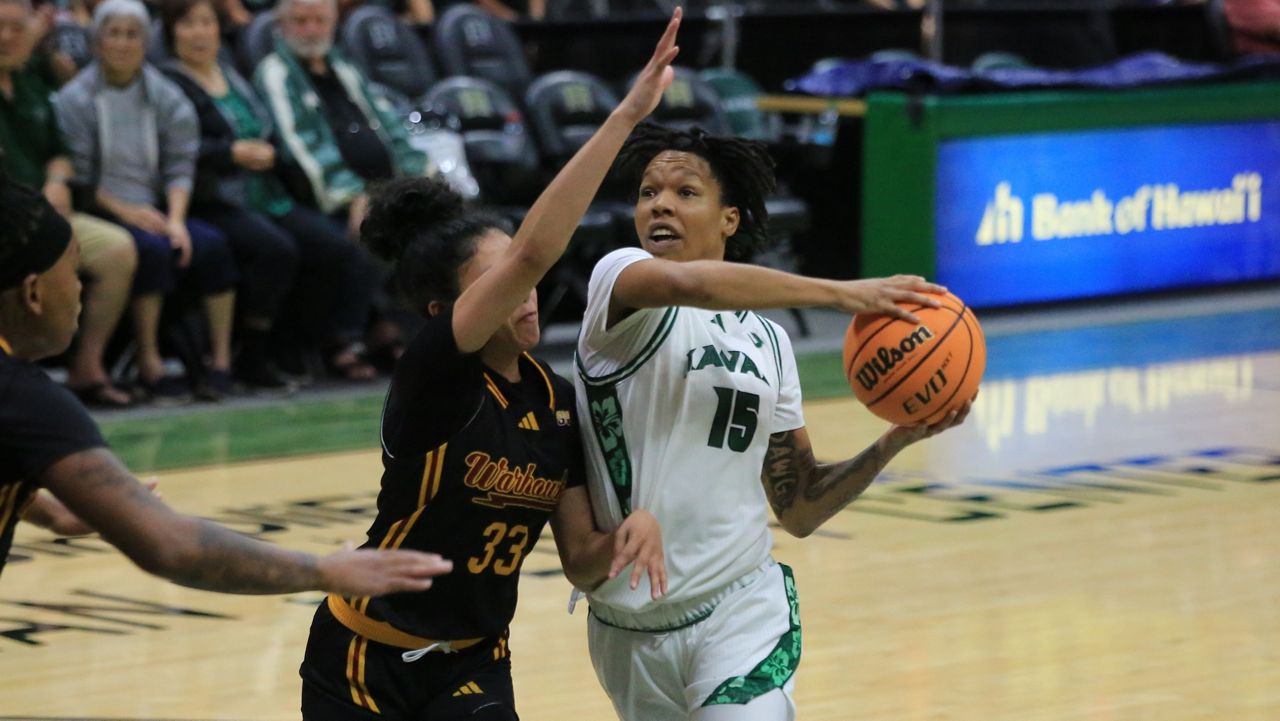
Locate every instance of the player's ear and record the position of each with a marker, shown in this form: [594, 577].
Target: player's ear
[729, 220]
[32, 294]
[434, 308]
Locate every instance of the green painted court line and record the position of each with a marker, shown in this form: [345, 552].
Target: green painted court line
[288, 428]
[294, 428]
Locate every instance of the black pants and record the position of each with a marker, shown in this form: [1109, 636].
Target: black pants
[346, 676]
[336, 280]
[302, 259]
[265, 254]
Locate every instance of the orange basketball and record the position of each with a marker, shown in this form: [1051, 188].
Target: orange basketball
[916, 372]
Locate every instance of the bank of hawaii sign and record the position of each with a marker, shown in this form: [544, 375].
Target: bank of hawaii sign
[1067, 215]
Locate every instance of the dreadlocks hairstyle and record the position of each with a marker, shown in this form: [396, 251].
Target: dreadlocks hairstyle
[742, 167]
[424, 227]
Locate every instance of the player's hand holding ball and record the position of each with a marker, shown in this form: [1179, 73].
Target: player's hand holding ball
[899, 437]
[918, 368]
[894, 296]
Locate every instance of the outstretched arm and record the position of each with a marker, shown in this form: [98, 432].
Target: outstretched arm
[201, 554]
[49, 513]
[590, 557]
[545, 232]
[718, 285]
[805, 494]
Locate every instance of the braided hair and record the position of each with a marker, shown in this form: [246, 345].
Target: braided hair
[425, 228]
[32, 235]
[743, 168]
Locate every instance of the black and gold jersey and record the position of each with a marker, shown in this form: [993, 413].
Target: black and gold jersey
[40, 424]
[473, 467]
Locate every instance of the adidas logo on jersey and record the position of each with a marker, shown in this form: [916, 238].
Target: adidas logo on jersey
[529, 422]
[468, 689]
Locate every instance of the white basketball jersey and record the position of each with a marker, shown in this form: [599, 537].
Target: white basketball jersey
[677, 406]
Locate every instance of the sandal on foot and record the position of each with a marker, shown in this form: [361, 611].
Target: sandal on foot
[102, 395]
[348, 363]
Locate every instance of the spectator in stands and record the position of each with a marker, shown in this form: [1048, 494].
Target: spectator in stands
[352, 135]
[237, 190]
[1255, 25]
[143, 179]
[32, 152]
[54, 65]
[335, 126]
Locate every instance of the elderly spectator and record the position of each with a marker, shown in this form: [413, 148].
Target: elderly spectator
[32, 152]
[334, 126]
[339, 130]
[237, 190]
[143, 179]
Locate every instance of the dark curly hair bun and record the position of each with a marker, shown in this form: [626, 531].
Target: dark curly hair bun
[400, 209]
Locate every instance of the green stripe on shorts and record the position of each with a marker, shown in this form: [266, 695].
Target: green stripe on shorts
[776, 669]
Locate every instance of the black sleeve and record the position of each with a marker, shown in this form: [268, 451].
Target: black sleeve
[577, 461]
[40, 424]
[216, 136]
[435, 391]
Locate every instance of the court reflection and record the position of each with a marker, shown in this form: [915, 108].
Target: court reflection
[1061, 402]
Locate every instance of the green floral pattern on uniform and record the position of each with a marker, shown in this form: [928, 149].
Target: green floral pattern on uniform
[606, 421]
[776, 669]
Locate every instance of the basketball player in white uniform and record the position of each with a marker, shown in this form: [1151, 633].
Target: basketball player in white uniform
[688, 400]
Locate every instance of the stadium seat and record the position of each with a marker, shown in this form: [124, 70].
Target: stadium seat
[157, 48]
[565, 109]
[739, 92]
[471, 42]
[257, 41]
[691, 101]
[500, 148]
[74, 40]
[388, 51]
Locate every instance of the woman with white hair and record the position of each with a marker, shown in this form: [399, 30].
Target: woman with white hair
[133, 138]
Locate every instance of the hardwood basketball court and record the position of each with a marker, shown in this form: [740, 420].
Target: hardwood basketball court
[1097, 542]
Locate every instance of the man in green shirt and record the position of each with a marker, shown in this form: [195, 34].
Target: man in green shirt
[32, 152]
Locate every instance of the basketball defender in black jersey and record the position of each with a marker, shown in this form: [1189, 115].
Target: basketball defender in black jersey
[480, 447]
[57, 472]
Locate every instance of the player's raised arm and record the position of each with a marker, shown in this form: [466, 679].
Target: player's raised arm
[201, 554]
[545, 232]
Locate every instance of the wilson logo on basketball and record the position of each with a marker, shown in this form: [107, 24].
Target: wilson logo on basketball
[876, 369]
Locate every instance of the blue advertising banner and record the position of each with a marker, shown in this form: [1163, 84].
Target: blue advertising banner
[1053, 216]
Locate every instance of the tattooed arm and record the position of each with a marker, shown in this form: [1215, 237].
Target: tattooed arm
[193, 552]
[805, 494]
